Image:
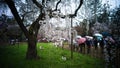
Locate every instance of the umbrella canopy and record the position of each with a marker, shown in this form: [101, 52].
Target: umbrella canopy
[97, 34]
[89, 37]
[81, 40]
[110, 39]
[105, 34]
[77, 37]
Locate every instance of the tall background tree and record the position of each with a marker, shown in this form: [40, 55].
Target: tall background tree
[89, 15]
[115, 21]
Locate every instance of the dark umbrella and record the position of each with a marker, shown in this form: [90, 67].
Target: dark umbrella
[105, 34]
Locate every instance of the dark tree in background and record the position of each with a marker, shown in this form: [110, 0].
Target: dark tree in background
[115, 21]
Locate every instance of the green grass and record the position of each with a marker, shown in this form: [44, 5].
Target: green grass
[50, 57]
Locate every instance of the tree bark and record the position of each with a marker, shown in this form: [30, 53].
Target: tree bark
[32, 41]
[32, 49]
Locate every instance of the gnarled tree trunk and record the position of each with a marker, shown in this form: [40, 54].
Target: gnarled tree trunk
[32, 49]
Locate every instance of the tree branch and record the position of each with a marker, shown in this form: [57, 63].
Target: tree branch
[57, 5]
[35, 25]
[23, 16]
[75, 14]
[43, 1]
[37, 4]
[69, 15]
[13, 9]
[41, 15]
[80, 4]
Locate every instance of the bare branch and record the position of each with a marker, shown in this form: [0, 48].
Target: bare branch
[57, 5]
[70, 15]
[13, 9]
[37, 4]
[75, 14]
[81, 2]
[23, 16]
[43, 1]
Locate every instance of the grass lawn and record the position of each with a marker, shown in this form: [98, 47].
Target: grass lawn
[50, 57]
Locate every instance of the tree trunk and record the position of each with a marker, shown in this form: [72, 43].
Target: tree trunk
[32, 49]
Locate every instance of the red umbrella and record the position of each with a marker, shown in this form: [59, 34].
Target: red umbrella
[81, 40]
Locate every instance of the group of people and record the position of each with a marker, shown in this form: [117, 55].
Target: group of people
[106, 46]
[95, 42]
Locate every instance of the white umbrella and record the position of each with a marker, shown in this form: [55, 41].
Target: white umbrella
[78, 36]
[97, 34]
[90, 37]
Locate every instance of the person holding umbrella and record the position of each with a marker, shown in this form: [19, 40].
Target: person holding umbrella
[81, 41]
[89, 43]
[97, 38]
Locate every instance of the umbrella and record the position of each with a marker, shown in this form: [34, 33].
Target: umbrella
[97, 34]
[81, 40]
[89, 37]
[77, 37]
[110, 39]
[105, 34]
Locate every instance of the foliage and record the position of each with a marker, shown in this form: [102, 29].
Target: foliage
[103, 16]
[3, 6]
[50, 57]
[115, 21]
[95, 7]
[9, 29]
[81, 28]
[91, 13]
[116, 15]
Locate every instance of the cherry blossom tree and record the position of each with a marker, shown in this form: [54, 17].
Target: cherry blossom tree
[43, 9]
